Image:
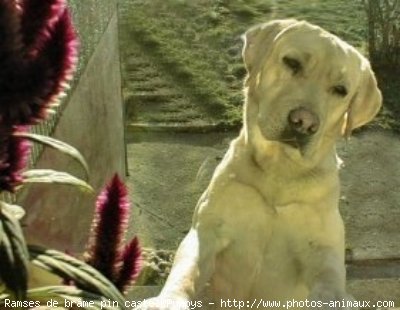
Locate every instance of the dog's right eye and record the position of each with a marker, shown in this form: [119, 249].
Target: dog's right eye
[292, 63]
[339, 90]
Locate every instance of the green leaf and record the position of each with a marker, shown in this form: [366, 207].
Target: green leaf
[83, 275]
[16, 211]
[57, 177]
[13, 255]
[58, 145]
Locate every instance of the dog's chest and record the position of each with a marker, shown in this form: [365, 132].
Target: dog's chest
[280, 190]
[263, 261]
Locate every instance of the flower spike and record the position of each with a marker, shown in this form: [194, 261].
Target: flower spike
[131, 265]
[39, 53]
[108, 229]
[14, 154]
[38, 20]
[10, 43]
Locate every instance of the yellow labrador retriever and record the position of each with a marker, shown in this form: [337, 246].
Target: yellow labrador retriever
[268, 226]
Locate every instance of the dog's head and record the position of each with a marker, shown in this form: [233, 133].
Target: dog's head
[305, 87]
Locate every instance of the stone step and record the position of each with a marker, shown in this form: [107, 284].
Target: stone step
[149, 97]
[142, 74]
[150, 85]
[165, 110]
[135, 63]
[374, 268]
[197, 126]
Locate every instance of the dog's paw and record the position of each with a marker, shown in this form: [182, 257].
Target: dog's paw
[328, 299]
[161, 303]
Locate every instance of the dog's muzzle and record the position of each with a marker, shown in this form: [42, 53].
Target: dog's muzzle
[302, 124]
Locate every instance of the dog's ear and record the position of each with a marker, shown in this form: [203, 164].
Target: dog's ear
[258, 39]
[366, 102]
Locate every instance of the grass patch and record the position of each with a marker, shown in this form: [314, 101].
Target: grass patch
[202, 56]
[196, 45]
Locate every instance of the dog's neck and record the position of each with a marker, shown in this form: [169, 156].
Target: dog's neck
[275, 175]
[267, 154]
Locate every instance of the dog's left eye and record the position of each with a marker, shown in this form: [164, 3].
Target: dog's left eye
[339, 90]
[292, 63]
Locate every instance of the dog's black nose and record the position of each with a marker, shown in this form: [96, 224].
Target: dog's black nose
[303, 121]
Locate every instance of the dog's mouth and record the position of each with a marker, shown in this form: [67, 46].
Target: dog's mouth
[291, 142]
[294, 140]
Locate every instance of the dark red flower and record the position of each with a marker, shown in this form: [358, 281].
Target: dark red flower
[38, 20]
[131, 265]
[40, 53]
[14, 154]
[108, 228]
[11, 40]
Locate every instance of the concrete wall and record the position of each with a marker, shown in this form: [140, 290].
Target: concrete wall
[91, 120]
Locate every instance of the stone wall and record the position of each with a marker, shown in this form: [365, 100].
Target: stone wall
[90, 119]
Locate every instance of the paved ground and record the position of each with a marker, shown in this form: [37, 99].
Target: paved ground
[170, 170]
[168, 173]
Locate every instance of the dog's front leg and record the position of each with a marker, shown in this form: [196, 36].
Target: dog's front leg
[326, 277]
[192, 268]
[193, 265]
